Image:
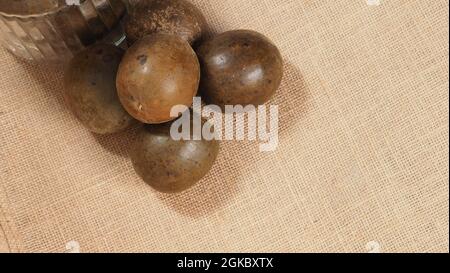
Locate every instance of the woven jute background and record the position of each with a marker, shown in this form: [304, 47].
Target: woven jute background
[362, 164]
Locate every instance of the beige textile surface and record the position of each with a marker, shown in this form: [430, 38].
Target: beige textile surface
[362, 163]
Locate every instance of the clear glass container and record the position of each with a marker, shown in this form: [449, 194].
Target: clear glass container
[53, 30]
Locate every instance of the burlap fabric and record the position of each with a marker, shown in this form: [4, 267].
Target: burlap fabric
[362, 163]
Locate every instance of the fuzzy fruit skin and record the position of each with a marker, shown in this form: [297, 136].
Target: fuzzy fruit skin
[158, 72]
[177, 17]
[171, 166]
[239, 67]
[90, 90]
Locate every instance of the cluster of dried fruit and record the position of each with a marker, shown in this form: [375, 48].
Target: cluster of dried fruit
[108, 90]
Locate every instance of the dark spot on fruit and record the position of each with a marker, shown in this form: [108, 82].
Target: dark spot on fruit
[93, 83]
[142, 59]
[99, 52]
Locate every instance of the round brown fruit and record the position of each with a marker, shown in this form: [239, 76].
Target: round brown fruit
[178, 17]
[239, 67]
[90, 89]
[158, 72]
[168, 165]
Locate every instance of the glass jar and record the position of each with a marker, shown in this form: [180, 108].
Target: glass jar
[56, 29]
